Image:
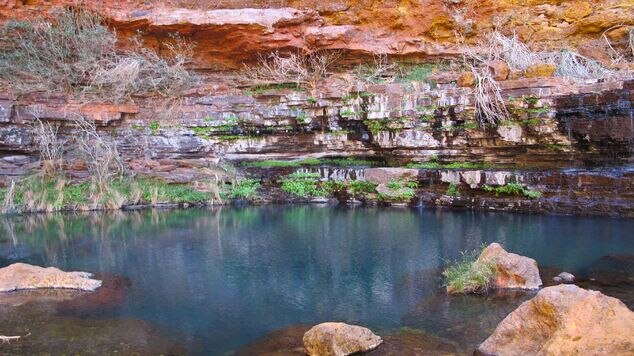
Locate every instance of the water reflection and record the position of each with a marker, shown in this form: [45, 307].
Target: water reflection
[225, 277]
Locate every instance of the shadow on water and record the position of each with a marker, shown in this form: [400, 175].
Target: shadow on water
[222, 280]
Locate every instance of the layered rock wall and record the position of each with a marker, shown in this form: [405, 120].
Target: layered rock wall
[229, 32]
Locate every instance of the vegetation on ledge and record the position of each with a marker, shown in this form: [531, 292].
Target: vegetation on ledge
[342, 162]
[513, 189]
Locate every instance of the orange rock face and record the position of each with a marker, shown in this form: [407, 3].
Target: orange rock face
[565, 320]
[540, 70]
[233, 31]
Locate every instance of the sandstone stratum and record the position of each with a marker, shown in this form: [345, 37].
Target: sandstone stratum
[227, 33]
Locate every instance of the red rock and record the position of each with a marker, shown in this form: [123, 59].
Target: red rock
[467, 79]
[499, 69]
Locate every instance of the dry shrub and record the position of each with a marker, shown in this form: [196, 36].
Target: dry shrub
[625, 54]
[511, 50]
[7, 203]
[76, 53]
[572, 64]
[519, 56]
[379, 70]
[299, 68]
[100, 154]
[490, 107]
[49, 145]
[145, 71]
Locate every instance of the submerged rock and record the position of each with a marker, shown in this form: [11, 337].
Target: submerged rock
[339, 339]
[564, 277]
[565, 320]
[21, 276]
[414, 342]
[511, 270]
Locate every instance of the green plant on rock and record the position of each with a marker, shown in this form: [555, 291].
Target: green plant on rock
[469, 275]
[512, 189]
[416, 73]
[303, 118]
[304, 185]
[453, 190]
[245, 189]
[154, 127]
[359, 188]
[399, 190]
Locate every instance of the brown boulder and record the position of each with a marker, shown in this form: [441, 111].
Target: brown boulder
[21, 276]
[339, 339]
[511, 270]
[565, 320]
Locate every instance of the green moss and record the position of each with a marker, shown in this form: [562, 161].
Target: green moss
[303, 118]
[434, 164]
[417, 73]
[203, 131]
[538, 111]
[311, 101]
[347, 113]
[467, 276]
[263, 89]
[343, 162]
[154, 126]
[556, 147]
[531, 122]
[530, 99]
[512, 189]
[229, 138]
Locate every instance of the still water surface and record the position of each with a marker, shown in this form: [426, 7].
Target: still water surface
[217, 280]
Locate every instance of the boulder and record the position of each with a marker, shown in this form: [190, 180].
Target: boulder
[385, 175]
[564, 320]
[21, 276]
[564, 277]
[339, 339]
[511, 270]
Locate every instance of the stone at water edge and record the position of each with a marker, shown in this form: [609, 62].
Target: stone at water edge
[512, 270]
[339, 339]
[564, 277]
[564, 320]
[22, 276]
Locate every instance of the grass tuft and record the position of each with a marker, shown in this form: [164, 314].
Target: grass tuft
[467, 275]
